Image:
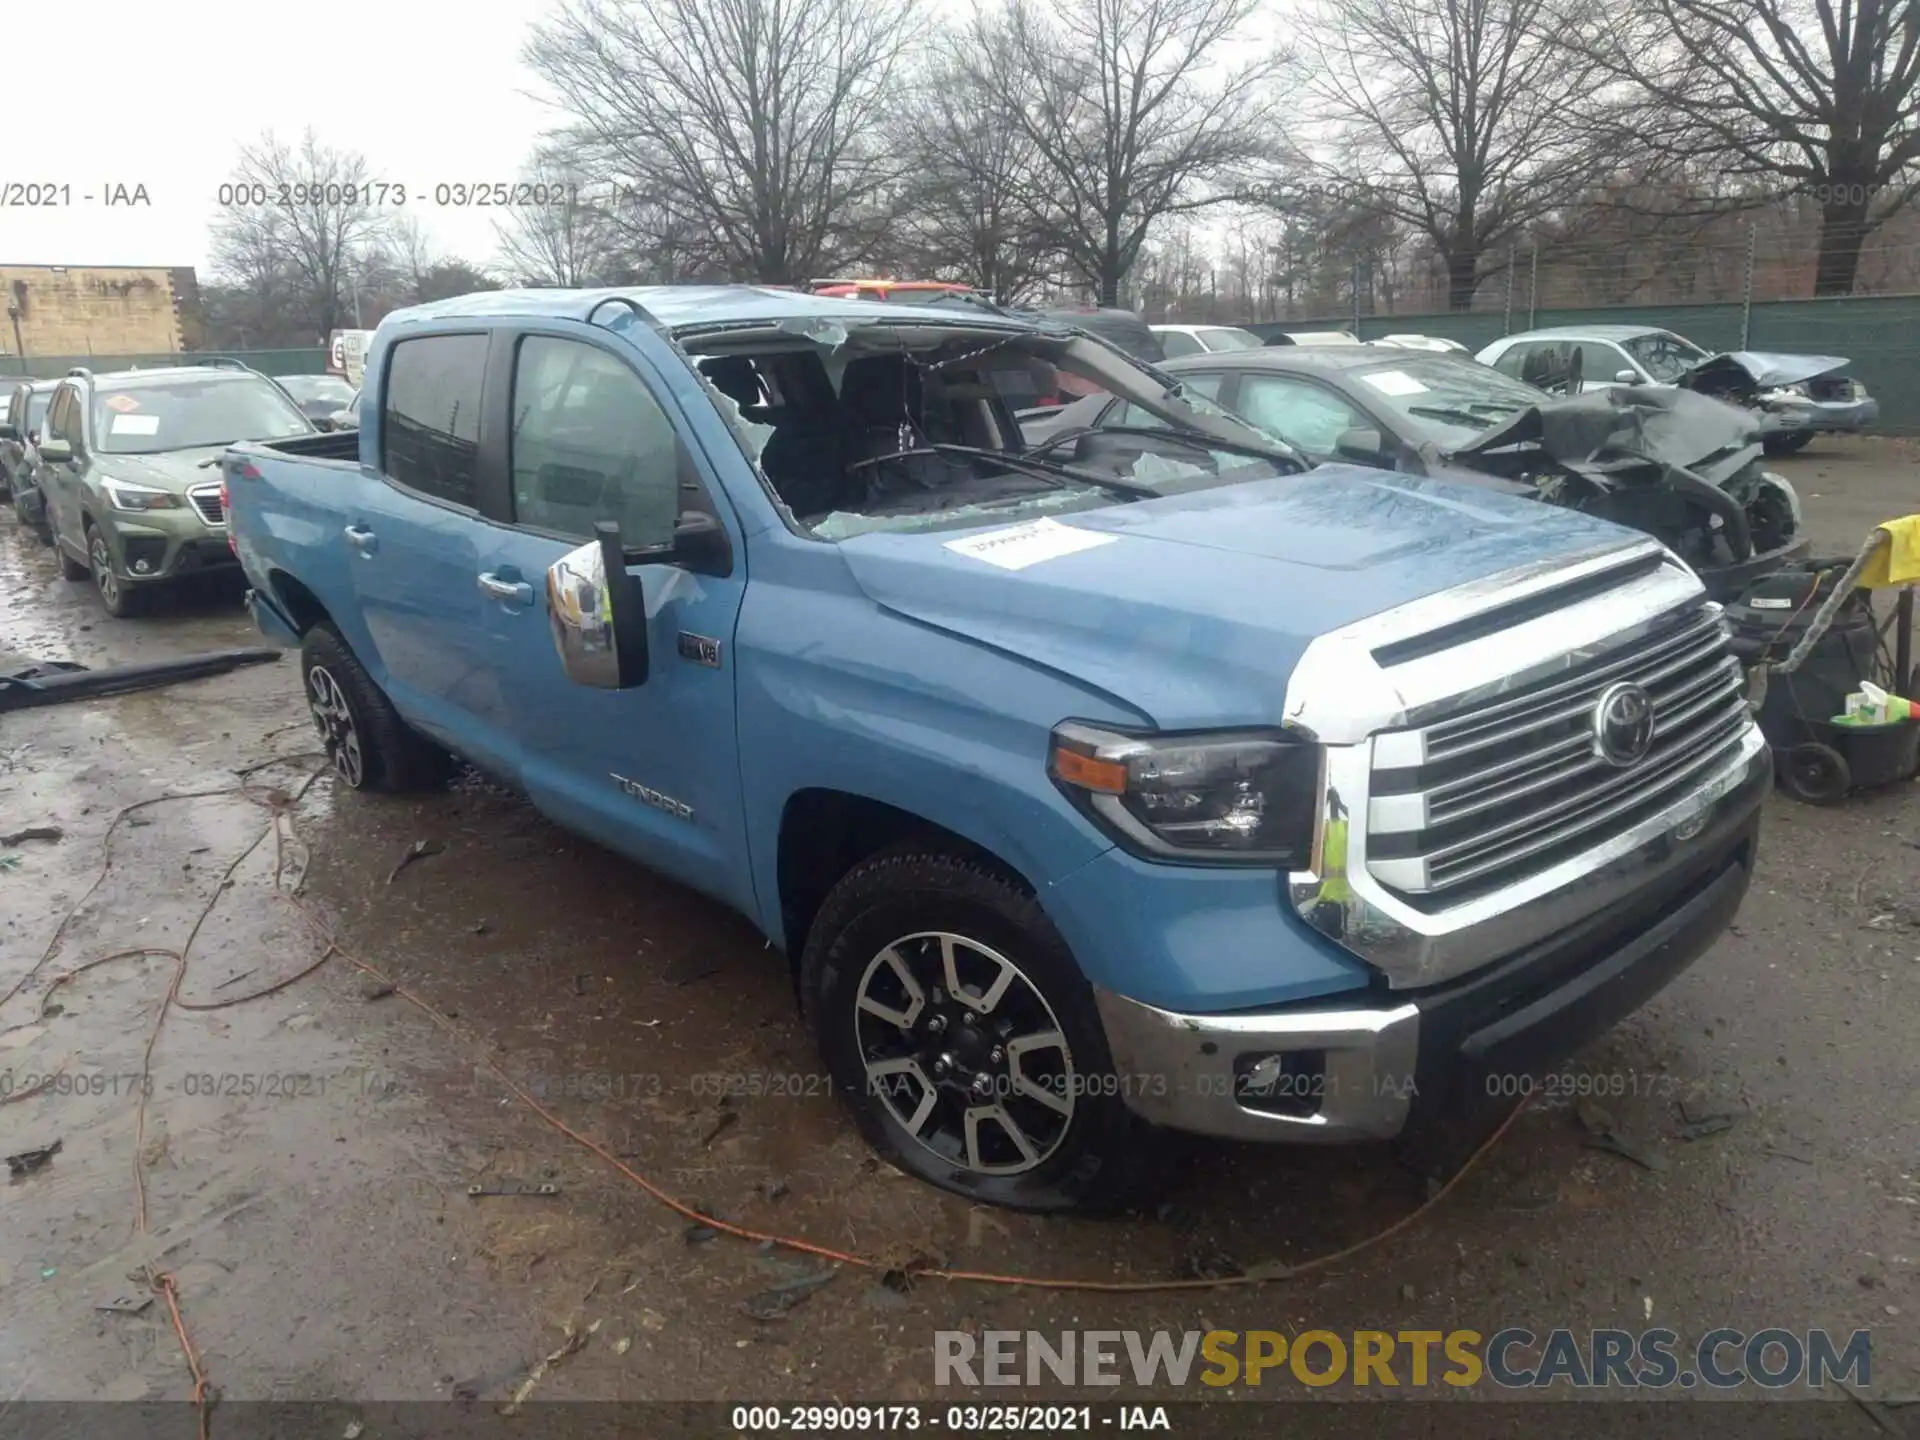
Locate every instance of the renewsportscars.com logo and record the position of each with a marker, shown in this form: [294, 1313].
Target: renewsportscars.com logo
[1513, 1358]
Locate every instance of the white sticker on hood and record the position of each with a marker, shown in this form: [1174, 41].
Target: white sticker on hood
[136, 424]
[1394, 382]
[1018, 546]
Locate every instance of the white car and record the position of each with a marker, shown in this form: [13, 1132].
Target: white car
[1437, 343]
[1315, 337]
[1178, 340]
[1796, 396]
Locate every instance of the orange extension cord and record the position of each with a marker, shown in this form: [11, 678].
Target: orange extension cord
[279, 803]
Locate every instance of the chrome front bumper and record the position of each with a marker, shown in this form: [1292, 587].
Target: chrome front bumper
[1577, 948]
[1787, 416]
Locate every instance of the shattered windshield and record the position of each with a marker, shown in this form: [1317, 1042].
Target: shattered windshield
[1664, 355]
[893, 426]
[1444, 399]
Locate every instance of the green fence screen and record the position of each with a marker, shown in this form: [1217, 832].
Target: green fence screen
[268, 362]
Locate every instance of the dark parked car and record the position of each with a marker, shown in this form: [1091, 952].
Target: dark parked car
[1684, 467]
[23, 409]
[320, 397]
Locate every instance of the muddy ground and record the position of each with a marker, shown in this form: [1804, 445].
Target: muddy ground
[306, 1155]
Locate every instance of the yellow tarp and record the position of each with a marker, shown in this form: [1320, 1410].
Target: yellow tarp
[1897, 563]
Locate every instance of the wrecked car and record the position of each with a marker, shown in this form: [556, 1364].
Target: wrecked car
[1795, 397]
[1684, 468]
[1145, 779]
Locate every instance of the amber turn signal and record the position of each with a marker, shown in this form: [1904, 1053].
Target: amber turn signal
[1107, 776]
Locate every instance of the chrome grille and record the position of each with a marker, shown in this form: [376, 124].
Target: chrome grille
[1507, 787]
[206, 500]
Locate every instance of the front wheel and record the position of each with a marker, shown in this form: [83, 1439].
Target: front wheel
[1788, 443]
[965, 1039]
[117, 598]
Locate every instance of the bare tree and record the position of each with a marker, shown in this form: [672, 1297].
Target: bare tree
[1467, 120]
[1129, 114]
[751, 122]
[313, 207]
[568, 241]
[1813, 96]
[961, 203]
[413, 254]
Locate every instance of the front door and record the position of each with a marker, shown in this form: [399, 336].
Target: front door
[651, 771]
[61, 481]
[411, 528]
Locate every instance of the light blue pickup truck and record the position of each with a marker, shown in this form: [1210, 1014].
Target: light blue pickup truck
[1145, 779]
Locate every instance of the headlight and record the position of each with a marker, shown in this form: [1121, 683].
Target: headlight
[123, 496]
[1226, 796]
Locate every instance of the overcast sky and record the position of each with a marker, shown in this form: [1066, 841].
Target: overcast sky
[163, 93]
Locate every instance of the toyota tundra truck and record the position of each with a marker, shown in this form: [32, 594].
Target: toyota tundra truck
[1145, 779]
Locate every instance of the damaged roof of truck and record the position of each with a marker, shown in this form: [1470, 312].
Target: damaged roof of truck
[687, 308]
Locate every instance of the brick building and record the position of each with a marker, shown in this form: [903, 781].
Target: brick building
[78, 310]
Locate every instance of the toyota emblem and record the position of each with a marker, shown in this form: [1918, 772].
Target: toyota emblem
[1623, 725]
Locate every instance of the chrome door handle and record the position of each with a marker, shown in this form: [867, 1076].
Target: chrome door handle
[362, 539]
[507, 592]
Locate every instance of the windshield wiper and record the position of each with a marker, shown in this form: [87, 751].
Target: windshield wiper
[1051, 471]
[1199, 439]
[1462, 414]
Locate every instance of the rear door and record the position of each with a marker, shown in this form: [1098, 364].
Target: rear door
[596, 434]
[412, 527]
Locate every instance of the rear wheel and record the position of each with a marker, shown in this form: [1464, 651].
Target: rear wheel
[368, 744]
[964, 1038]
[70, 568]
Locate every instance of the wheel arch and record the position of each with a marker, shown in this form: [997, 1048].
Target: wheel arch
[297, 602]
[826, 832]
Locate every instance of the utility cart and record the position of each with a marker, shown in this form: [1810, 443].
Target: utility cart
[1810, 636]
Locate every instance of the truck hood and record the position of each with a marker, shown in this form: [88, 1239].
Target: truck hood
[175, 470]
[1193, 610]
[1742, 370]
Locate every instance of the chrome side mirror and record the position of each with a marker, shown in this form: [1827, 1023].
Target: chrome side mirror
[1626, 377]
[598, 614]
[55, 452]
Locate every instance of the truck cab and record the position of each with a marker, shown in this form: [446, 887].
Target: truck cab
[1143, 779]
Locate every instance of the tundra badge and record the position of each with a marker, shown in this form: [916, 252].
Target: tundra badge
[700, 649]
[676, 808]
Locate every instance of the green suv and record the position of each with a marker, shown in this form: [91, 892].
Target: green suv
[129, 468]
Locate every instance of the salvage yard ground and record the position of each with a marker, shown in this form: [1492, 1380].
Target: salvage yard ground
[306, 1156]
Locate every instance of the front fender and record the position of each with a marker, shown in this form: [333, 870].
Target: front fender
[875, 706]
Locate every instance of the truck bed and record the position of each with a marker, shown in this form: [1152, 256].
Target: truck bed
[328, 445]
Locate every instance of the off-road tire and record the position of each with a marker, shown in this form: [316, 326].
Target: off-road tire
[72, 569]
[1104, 1160]
[392, 756]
